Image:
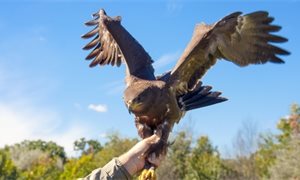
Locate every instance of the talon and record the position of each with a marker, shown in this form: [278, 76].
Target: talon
[148, 174]
[151, 175]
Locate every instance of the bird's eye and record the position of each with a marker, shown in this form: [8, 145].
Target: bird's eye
[138, 99]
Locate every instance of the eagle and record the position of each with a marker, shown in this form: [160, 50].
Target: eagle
[159, 102]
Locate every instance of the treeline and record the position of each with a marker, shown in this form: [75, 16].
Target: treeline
[254, 156]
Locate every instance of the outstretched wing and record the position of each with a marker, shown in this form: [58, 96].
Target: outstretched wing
[242, 40]
[113, 45]
[106, 49]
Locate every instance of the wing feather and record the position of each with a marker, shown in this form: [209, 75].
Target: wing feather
[112, 44]
[253, 46]
[91, 33]
[103, 44]
[92, 44]
[242, 40]
[94, 53]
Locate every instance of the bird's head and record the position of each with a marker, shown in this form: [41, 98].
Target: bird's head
[139, 98]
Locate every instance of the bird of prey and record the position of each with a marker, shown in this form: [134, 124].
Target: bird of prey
[158, 102]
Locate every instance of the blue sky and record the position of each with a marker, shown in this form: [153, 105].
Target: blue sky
[48, 91]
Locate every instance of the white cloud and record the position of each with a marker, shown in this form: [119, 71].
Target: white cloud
[68, 137]
[166, 59]
[98, 107]
[25, 121]
[23, 117]
[25, 110]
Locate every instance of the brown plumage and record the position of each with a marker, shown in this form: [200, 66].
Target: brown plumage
[159, 102]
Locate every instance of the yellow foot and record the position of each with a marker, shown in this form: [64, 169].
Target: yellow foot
[148, 174]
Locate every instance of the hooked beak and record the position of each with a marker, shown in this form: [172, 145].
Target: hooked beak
[131, 106]
[129, 110]
[128, 104]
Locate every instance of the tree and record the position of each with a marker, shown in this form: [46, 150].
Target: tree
[201, 161]
[87, 146]
[76, 168]
[274, 148]
[265, 154]
[289, 125]
[204, 161]
[286, 165]
[45, 167]
[114, 148]
[274, 156]
[37, 159]
[175, 164]
[244, 146]
[51, 148]
[87, 162]
[8, 171]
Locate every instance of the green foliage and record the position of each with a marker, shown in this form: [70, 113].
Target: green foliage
[287, 164]
[45, 167]
[179, 153]
[114, 148]
[51, 148]
[87, 146]
[274, 148]
[7, 169]
[87, 162]
[205, 161]
[265, 155]
[289, 125]
[245, 145]
[175, 165]
[76, 168]
[274, 157]
[36, 159]
[185, 161]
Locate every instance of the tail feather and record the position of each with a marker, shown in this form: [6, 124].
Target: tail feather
[199, 97]
[205, 91]
[197, 89]
[209, 102]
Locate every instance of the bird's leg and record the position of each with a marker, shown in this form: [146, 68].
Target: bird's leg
[144, 130]
[160, 147]
[148, 174]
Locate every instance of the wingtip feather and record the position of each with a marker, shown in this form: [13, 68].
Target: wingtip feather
[99, 13]
[92, 44]
[91, 33]
[92, 22]
[93, 64]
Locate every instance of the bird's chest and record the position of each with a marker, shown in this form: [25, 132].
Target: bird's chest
[162, 109]
[153, 115]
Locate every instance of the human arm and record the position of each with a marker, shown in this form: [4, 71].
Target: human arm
[128, 163]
